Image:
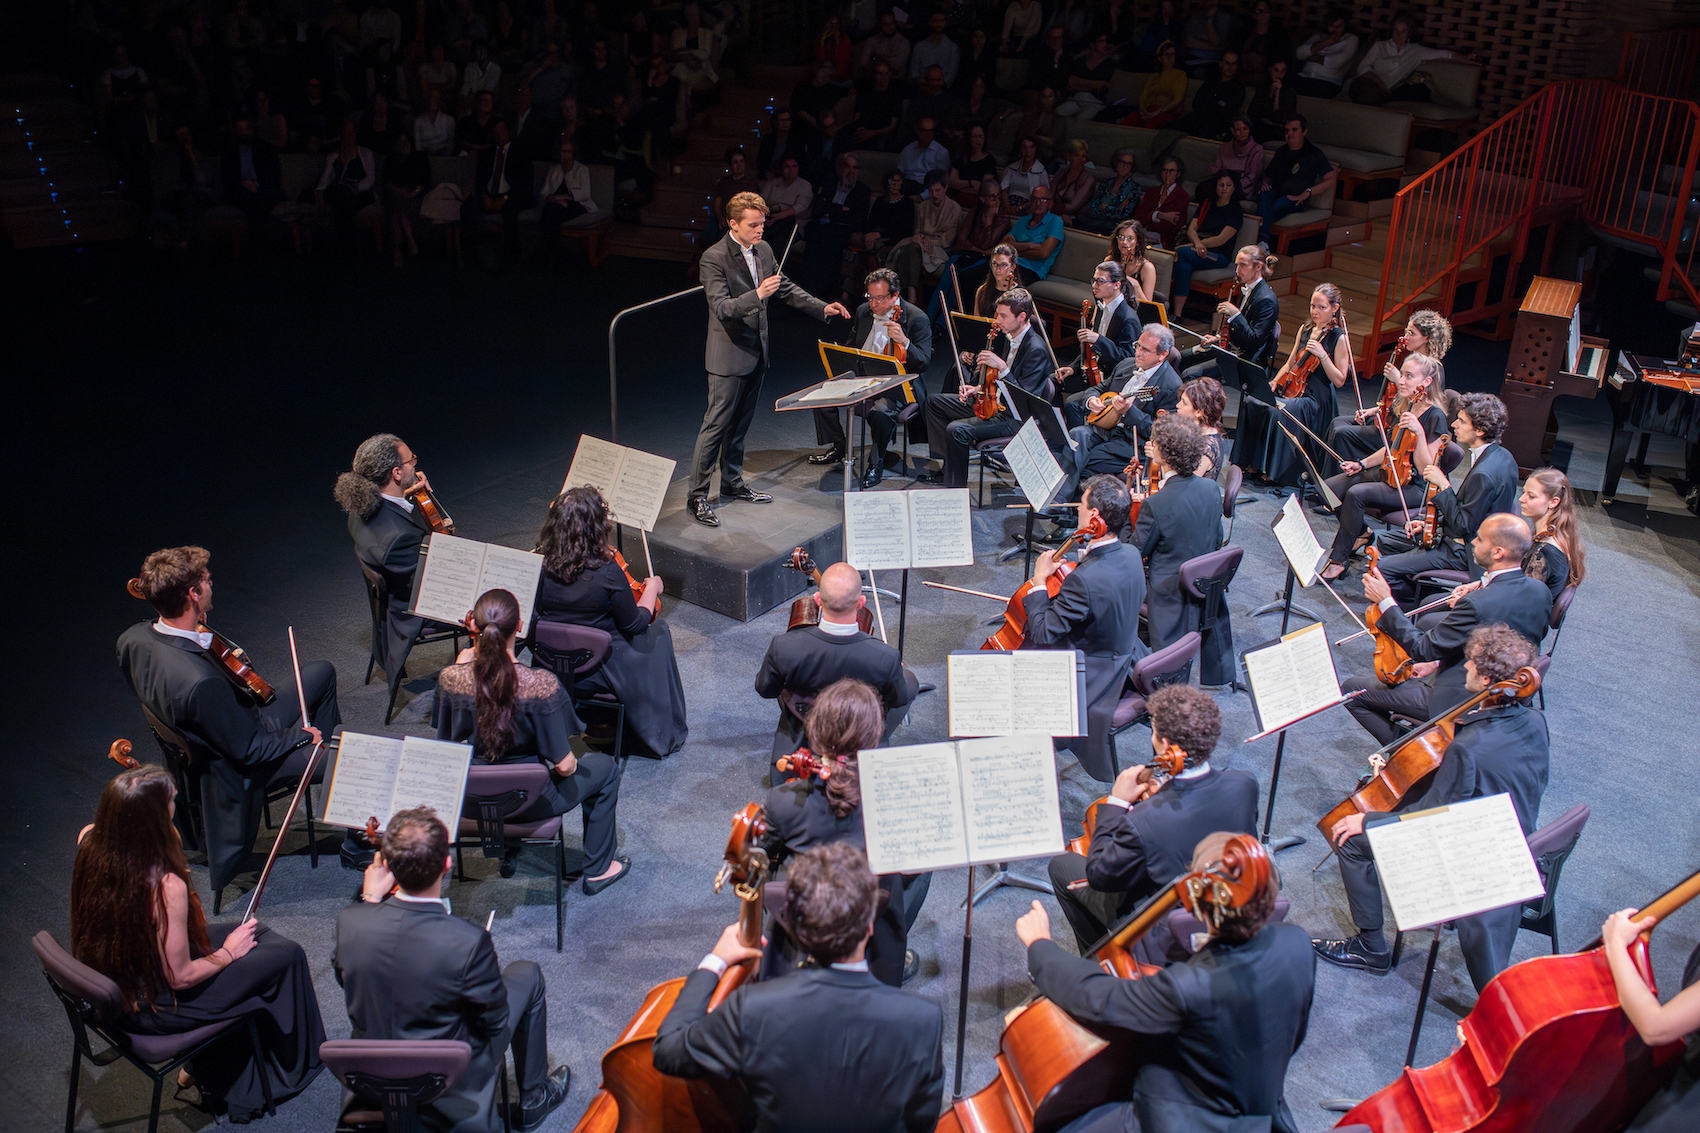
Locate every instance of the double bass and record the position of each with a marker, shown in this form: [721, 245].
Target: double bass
[229, 657]
[1052, 1068]
[636, 1097]
[1014, 629]
[805, 611]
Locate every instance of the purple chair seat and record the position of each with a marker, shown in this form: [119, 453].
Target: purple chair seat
[1128, 709]
[160, 1048]
[1216, 563]
[575, 653]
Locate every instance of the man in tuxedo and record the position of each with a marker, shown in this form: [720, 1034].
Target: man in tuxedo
[1097, 612]
[502, 184]
[1181, 520]
[1142, 385]
[1111, 336]
[804, 661]
[1144, 832]
[1488, 484]
[1214, 1034]
[169, 669]
[1506, 596]
[411, 970]
[738, 277]
[952, 426]
[828, 1048]
[1249, 330]
[884, 325]
[1493, 751]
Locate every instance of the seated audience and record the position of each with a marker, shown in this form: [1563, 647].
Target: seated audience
[1048, 62]
[1041, 123]
[878, 106]
[1209, 238]
[1161, 97]
[1275, 101]
[253, 176]
[434, 131]
[832, 48]
[1162, 210]
[891, 219]
[1325, 57]
[1022, 22]
[1037, 236]
[737, 180]
[1165, 27]
[919, 259]
[782, 140]
[475, 133]
[345, 186]
[1207, 32]
[1074, 184]
[1088, 81]
[1113, 198]
[566, 197]
[1294, 174]
[1241, 155]
[380, 126]
[1023, 175]
[1217, 101]
[407, 176]
[976, 165]
[1388, 71]
[888, 46]
[937, 50]
[501, 185]
[922, 158]
[788, 198]
[1265, 41]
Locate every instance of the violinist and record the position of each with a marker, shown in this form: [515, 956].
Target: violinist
[1487, 485]
[1095, 611]
[1106, 451]
[1364, 484]
[1355, 435]
[1001, 277]
[1111, 335]
[1249, 328]
[167, 664]
[1507, 596]
[804, 661]
[583, 585]
[1676, 1108]
[885, 1069]
[1228, 1020]
[1494, 750]
[1322, 346]
[1179, 521]
[952, 426]
[1143, 839]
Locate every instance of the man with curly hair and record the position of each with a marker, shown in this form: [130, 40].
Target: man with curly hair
[1180, 520]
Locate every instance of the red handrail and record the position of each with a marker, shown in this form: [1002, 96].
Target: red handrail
[1660, 62]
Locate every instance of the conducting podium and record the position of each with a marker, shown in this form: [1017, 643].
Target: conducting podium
[1550, 358]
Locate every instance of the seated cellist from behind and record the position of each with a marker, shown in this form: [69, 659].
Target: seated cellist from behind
[1676, 1108]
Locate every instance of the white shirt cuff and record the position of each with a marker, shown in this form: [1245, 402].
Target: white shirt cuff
[1386, 604]
[1113, 801]
[713, 963]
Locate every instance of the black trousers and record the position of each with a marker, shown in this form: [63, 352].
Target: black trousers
[1368, 489]
[731, 407]
[1352, 440]
[593, 786]
[1377, 706]
[527, 1030]
[953, 428]
[1090, 911]
[882, 423]
[551, 217]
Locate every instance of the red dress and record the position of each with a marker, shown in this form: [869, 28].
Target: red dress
[1155, 200]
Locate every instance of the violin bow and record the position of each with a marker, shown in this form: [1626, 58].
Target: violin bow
[1423, 609]
[955, 350]
[1351, 362]
[1056, 367]
[1328, 496]
[957, 284]
[1387, 447]
[1306, 428]
[878, 613]
[300, 788]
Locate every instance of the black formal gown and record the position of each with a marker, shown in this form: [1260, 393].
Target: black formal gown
[1258, 443]
[1676, 1108]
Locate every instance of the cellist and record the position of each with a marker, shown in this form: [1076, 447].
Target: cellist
[1676, 1108]
[1494, 750]
[1226, 1022]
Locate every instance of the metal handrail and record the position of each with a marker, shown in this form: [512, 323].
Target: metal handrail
[613, 370]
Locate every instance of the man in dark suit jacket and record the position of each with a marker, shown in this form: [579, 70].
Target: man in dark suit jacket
[1250, 330]
[252, 174]
[410, 970]
[804, 661]
[840, 211]
[502, 183]
[1179, 521]
[1494, 751]
[1505, 596]
[1097, 612]
[951, 424]
[1142, 385]
[829, 1049]
[1489, 485]
[169, 669]
[1144, 833]
[1213, 1035]
[1111, 336]
[884, 325]
[738, 277]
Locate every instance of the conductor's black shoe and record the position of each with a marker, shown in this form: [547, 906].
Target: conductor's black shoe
[930, 478]
[872, 476]
[911, 965]
[703, 513]
[1351, 953]
[749, 496]
[830, 456]
[533, 1113]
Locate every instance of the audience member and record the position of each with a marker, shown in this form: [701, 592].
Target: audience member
[788, 198]
[406, 177]
[1264, 42]
[272, 125]
[565, 197]
[434, 131]
[482, 74]
[1209, 237]
[317, 120]
[1275, 101]
[1040, 122]
[888, 46]
[1037, 236]
[379, 127]
[929, 100]
[1074, 19]
[603, 77]
[475, 133]
[1163, 209]
[1074, 185]
[878, 106]
[891, 219]
[832, 48]
[1388, 71]
[252, 174]
[380, 23]
[1240, 155]
[1295, 173]
[1161, 98]
[1325, 57]
[737, 180]
[1165, 27]
[919, 259]
[841, 208]
[818, 93]
[782, 140]
[1022, 22]
[983, 229]
[1048, 62]
[975, 165]
[1217, 101]
[501, 184]
[439, 73]
[979, 61]
[1113, 198]
[551, 77]
[1206, 35]
[976, 107]
[1023, 175]
[1088, 79]
[345, 186]
[921, 158]
[937, 50]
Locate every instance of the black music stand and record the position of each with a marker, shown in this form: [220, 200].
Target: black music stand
[1055, 431]
[793, 402]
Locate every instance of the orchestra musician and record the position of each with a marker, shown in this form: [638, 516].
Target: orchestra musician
[1676, 1108]
[952, 426]
[1249, 329]
[1224, 1024]
[1114, 329]
[886, 1065]
[1203, 401]
[1548, 503]
[1258, 443]
[1100, 451]
[510, 713]
[804, 661]
[1180, 520]
[1001, 277]
[1097, 612]
[884, 325]
[137, 920]
[1363, 484]
[1117, 373]
[411, 970]
[1143, 832]
[1494, 750]
[739, 275]
[847, 717]
[1354, 435]
[1507, 596]
[169, 669]
[583, 585]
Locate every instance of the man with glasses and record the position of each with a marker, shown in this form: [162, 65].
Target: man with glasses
[1140, 386]
[1111, 336]
[1037, 236]
[1162, 210]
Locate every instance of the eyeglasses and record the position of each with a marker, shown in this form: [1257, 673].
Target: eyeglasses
[1098, 279]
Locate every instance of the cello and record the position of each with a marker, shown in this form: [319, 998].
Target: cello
[1051, 1068]
[1089, 356]
[227, 655]
[1547, 1047]
[1014, 629]
[805, 611]
[636, 1097]
[1163, 767]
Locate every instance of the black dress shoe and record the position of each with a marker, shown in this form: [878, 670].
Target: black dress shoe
[355, 857]
[930, 478]
[1351, 953]
[534, 1113]
[872, 476]
[748, 496]
[592, 888]
[703, 513]
[911, 965]
[830, 456]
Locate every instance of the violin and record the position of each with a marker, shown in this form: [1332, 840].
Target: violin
[1291, 381]
[804, 764]
[1163, 767]
[1398, 768]
[435, 513]
[805, 611]
[637, 587]
[230, 658]
[1135, 489]
[1052, 1069]
[636, 1097]
[1383, 414]
[986, 400]
[1014, 628]
[119, 753]
[1089, 356]
[1392, 663]
[1547, 1046]
[375, 835]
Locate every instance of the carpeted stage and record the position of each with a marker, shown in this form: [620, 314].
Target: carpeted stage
[155, 404]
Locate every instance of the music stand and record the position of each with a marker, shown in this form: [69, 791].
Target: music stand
[793, 402]
[836, 359]
[1052, 427]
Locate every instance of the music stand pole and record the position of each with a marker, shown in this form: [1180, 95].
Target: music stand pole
[902, 613]
[1285, 604]
[962, 993]
[1286, 841]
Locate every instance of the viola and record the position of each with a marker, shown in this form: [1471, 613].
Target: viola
[1291, 381]
[435, 513]
[1089, 356]
[1135, 489]
[1398, 768]
[1014, 629]
[804, 764]
[1052, 1069]
[230, 658]
[1431, 519]
[119, 753]
[805, 611]
[1547, 1047]
[637, 587]
[1392, 663]
[636, 1097]
[1163, 767]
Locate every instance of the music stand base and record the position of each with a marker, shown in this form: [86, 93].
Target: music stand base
[1004, 878]
[1284, 842]
[1274, 607]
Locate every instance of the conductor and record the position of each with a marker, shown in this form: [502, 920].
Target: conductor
[738, 277]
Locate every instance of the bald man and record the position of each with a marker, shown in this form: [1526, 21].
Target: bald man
[804, 661]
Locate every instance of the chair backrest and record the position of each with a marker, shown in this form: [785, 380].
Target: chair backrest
[1452, 457]
[797, 703]
[1561, 832]
[391, 1060]
[1231, 489]
[573, 652]
[510, 786]
[173, 742]
[1164, 261]
[1166, 660]
[93, 996]
[1213, 565]
[1183, 924]
[1561, 607]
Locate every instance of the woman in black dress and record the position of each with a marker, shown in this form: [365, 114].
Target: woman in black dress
[1202, 401]
[1258, 442]
[1676, 1108]
[136, 919]
[582, 585]
[512, 714]
[1548, 502]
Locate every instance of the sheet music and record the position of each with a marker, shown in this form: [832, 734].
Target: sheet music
[1036, 470]
[839, 389]
[431, 773]
[941, 533]
[515, 571]
[1454, 861]
[876, 529]
[448, 583]
[1010, 798]
[1291, 677]
[979, 691]
[1298, 542]
[363, 781]
[640, 490]
[596, 464]
[1044, 695]
[912, 808]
